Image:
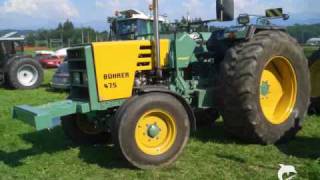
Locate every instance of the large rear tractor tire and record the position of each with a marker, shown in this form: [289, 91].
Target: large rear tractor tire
[314, 63]
[151, 130]
[25, 74]
[266, 88]
[81, 131]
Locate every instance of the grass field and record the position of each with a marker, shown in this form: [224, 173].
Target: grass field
[210, 154]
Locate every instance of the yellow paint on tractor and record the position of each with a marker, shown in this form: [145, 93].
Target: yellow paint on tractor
[315, 77]
[278, 90]
[278, 12]
[117, 62]
[163, 139]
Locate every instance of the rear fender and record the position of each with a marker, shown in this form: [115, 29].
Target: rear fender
[254, 29]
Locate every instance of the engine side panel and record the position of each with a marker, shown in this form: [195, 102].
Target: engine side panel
[117, 62]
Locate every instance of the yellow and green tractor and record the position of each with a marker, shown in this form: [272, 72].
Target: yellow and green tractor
[146, 92]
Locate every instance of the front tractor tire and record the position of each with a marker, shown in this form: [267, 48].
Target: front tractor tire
[266, 88]
[25, 74]
[81, 131]
[151, 130]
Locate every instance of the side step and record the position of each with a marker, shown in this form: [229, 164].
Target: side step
[48, 116]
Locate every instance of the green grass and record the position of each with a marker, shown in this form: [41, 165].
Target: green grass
[210, 154]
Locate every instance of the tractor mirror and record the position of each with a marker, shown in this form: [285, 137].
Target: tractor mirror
[274, 13]
[277, 13]
[225, 10]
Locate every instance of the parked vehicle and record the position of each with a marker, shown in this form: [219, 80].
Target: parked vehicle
[44, 53]
[61, 53]
[61, 78]
[50, 61]
[313, 42]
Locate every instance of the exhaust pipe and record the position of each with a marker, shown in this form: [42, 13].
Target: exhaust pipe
[156, 43]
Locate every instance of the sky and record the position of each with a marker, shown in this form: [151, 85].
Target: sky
[35, 14]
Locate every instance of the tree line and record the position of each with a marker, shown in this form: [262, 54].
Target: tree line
[304, 32]
[67, 34]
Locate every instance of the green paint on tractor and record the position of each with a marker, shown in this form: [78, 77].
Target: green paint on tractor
[153, 131]
[265, 88]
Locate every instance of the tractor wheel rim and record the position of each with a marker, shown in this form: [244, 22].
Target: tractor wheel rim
[155, 132]
[278, 90]
[27, 75]
[315, 76]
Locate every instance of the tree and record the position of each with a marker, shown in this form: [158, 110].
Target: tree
[68, 32]
[304, 32]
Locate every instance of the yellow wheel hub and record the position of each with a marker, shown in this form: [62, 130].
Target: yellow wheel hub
[315, 78]
[155, 132]
[278, 90]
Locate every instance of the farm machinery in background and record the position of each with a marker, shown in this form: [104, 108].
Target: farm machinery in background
[125, 25]
[145, 92]
[314, 62]
[18, 70]
[133, 25]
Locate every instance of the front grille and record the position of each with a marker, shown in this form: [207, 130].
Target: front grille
[78, 71]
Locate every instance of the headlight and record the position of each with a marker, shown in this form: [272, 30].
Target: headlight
[76, 78]
[244, 19]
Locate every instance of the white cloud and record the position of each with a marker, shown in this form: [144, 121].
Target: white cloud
[195, 8]
[290, 6]
[111, 6]
[121, 4]
[207, 8]
[45, 9]
[47, 13]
